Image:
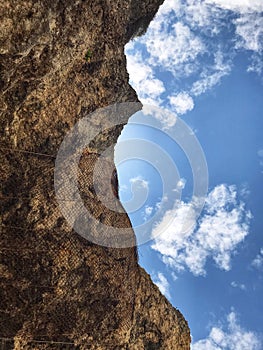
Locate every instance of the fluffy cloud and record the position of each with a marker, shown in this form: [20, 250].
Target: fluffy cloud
[174, 48]
[167, 118]
[181, 102]
[229, 337]
[162, 284]
[139, 181]
[250, 30]
[185, 243]
[187, 41]
[143, 79]
[200, 15]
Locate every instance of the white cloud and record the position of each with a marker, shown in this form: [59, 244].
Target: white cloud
[206, 83]
[260, 152]
[235, 284]
[174, 48]
[245, 191]
[241, 6]
[162, 284]
[143, 79]
[167, 118]
[220, 196]
[167, 7]
[185, 243]
[201, 14]
[171, 45]
[182, 102]
[180, 184]
[230, 336]
[258, 261]
[139, 181]
[256, 64]
[250, 29]
[148, 210]
[212, 77]
[174, 277]
[187, 41]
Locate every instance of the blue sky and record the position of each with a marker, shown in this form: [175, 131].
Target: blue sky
[203, 62]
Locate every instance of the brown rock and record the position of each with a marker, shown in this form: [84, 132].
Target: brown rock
[59, 290]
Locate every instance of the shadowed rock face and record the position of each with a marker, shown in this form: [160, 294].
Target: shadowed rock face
[57, 286]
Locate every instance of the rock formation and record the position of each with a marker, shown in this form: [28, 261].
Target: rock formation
[61, 60]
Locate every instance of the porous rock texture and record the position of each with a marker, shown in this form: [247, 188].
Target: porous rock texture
[59, 290]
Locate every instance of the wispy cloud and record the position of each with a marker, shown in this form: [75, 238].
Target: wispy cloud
[213, 75]
[248, 28]
[229, 336]
[260, 154]
[256, 64]
[162, 283]
[208, 81]
[240, 6]
[258, 261]
[195, 42]
[223, 226]
[245, 191]
[173, 47]
[235, 284]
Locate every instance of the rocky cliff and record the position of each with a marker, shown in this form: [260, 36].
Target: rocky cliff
[61, 60]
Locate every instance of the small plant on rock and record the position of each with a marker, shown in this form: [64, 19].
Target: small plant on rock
[88, 56]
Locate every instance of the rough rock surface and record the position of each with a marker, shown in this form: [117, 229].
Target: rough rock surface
[58, 290]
